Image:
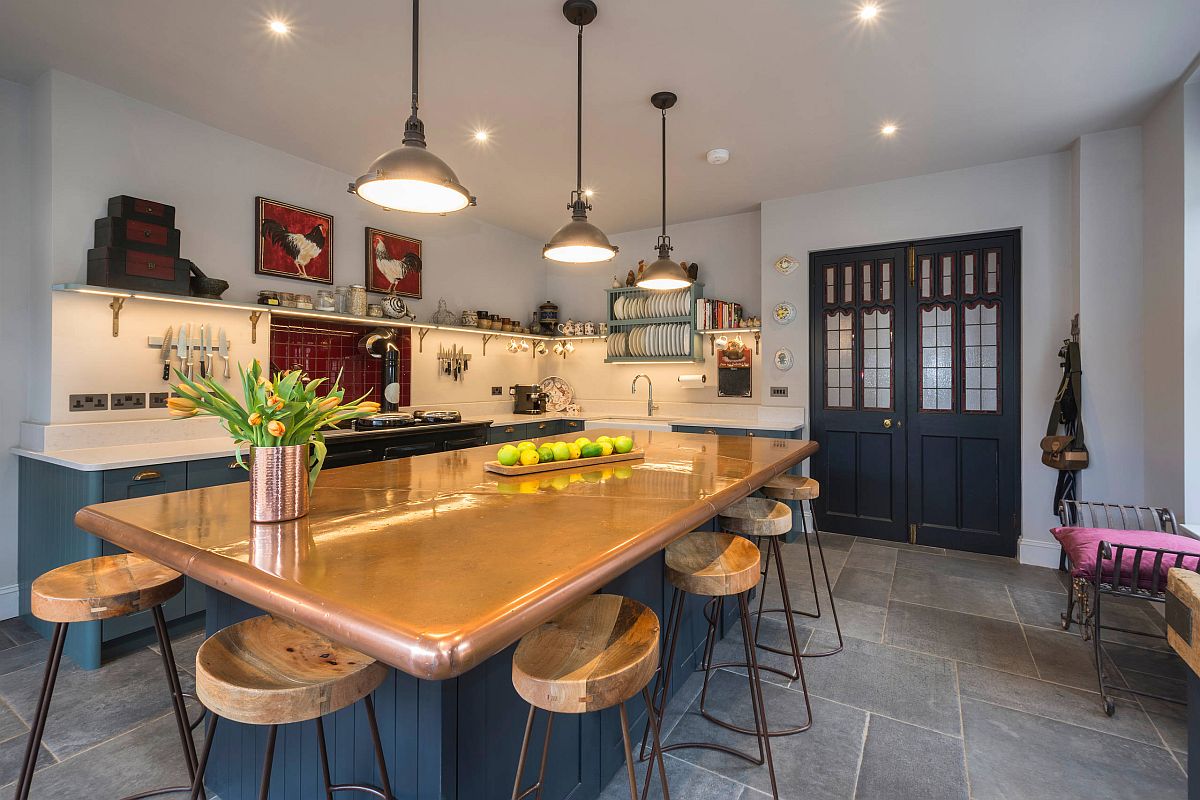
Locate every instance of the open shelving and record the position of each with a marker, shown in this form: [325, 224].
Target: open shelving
[695, 352]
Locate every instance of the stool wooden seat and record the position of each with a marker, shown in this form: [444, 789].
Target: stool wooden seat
[600, 653]
[756, 516]
[712, 564]
[792, 487]
[268, 671]
[102, 588]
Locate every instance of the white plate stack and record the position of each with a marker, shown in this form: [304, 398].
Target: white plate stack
[652, 305]
[669, 340]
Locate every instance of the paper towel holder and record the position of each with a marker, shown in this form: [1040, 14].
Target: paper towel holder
[693, 380]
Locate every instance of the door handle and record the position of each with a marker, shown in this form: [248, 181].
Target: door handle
[887, 423]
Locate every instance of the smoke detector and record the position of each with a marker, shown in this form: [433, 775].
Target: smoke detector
[718, 155]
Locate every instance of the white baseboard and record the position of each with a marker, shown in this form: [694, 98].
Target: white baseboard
[1039, 554]
[9, 606]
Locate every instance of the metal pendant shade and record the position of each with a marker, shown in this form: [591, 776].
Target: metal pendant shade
[579, 241]
[410, 178]
[664, 273]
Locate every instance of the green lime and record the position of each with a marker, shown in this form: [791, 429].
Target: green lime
[508, 455]
[561, 451]
[623, 444]
[591, 450]
[546, 453]
[526, 445]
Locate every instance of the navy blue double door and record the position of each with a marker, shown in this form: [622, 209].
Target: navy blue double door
[915, 391]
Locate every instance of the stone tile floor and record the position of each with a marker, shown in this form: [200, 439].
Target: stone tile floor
[956, 682]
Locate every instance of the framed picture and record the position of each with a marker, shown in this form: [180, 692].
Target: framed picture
[393, 264]
[292, 242]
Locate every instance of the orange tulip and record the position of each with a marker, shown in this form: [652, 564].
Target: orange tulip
[255, 419]
[369, 406]
[276, 428]
[181, 405]
[275, 401]
[188, 391]
[328, 403]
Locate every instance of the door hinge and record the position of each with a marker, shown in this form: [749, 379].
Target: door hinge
[912, 265]
[912, 533]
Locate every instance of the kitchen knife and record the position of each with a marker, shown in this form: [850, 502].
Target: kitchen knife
[203, 351]
[223, 343]
[191, 354]
[165, 353]
[181, 347]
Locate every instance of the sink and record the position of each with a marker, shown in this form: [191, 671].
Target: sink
[633, 423]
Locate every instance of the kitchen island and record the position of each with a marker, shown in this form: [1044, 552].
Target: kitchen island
[437, 568]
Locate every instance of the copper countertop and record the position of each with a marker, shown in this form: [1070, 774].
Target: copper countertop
[431, 564]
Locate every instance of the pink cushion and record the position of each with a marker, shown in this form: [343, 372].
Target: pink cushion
[1082, 545]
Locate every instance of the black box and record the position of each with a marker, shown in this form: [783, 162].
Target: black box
[134, 234]
[119, 268]
[146, 210]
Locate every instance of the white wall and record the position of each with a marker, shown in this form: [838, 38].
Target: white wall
[727, 250]
[102, 143]
[1191, 295]
[15, 295]
[1109, 177]
[1032, 194]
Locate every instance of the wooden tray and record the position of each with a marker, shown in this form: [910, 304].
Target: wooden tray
[577, 463]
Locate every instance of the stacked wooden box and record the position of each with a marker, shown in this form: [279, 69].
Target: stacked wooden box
[137, 247]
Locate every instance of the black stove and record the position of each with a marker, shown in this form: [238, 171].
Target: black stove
[399, 419]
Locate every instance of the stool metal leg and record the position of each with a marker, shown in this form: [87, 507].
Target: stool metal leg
[38, 727]
[379, 757]
[177, 702]
[384, 793]
[202, 765]
[653, 725]
[264, 786]
[663, 679]
[633, 784]
[535, 789]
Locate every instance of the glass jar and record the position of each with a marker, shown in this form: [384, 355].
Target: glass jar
[325, 300]
[357, 300]
[268, 298]
[341, 299]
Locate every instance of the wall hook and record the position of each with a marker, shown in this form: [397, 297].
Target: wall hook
[115, 305]
[254, 317]
[421, 339]
[487, 337]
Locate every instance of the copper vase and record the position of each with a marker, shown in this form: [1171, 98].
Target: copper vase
[278, 483]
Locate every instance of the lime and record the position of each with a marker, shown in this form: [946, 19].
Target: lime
[527, 445]
[574, 450]
[591, 450]
[606, 447]
[508, 455]
[623, 444]
[529, 457]
[582, 440]
[562, 452]
[623, 473]
[595, 476]
[545, 453]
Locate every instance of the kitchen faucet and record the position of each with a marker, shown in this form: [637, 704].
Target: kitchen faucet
[649, 397]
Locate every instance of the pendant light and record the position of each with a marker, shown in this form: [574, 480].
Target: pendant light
[664, 273]
[410, 178]
[579, 241]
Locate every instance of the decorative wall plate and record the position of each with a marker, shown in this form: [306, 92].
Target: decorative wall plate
[784, 359]
[785, 312]
[786, 265]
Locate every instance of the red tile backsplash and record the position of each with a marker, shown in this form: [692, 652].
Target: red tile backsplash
[321, 349]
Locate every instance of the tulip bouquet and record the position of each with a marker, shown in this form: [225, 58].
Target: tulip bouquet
[280, 412]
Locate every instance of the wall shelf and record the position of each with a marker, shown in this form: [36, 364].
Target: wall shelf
[695, 351]
[713, 333]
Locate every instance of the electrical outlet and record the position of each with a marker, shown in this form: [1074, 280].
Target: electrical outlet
[497, 391]
[127, 402]
[779, 391]
[158, 399]
[88, 402]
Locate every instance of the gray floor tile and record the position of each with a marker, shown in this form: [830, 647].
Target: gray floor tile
[10, 724]
[908, 686]
[144, 758]
[16, 632]
[22, 656]
[969, 596]
[857, 620]
[800, 580]
[836, 541]
[685, 781]
[1065, 658]
[962, 637]
[916, 548]
[1045, 609]
[1011, 754]
[1065, 704]
[12, 753]
[817, 765]
[92, 706]
[773, 633]
[681, 702]
[1141, 659]
[901, 760]
[1012, 574]
[868, 555]
[185, 648]
[1169, 718]
[863, 586]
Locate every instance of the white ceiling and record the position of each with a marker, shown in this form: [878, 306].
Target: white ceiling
[796, 89]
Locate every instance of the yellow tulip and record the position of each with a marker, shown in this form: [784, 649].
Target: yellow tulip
[181, 405]
[255, 419]
[276, 428]
[275, 401]
[183, 414]
[328, 403]
[369, 406]
[188, 391]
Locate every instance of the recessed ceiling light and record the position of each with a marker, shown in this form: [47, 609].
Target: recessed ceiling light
[278, 26]
[888, 130]
[868, 12]
[481, 135]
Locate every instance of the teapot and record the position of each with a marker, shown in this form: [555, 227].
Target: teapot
[396, 308]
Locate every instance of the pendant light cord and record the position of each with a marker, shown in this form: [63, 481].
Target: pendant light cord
[579, 118]
[664, 172]
[415, 44]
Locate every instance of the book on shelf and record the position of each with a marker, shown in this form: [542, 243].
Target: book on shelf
[717, 313]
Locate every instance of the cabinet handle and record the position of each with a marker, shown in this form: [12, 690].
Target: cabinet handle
[749, 433]
[710, 430]
[541, 426]
[233, 465]
[148, 475]
[572, 424]
[510, 429]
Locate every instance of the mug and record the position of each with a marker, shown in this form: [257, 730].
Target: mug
[567, 328]
[603, 329]
[589, 329]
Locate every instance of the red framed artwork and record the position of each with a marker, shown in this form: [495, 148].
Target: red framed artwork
[393, 263]
[293, 242]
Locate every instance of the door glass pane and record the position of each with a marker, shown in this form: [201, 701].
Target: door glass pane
[937, 353]
[926, 277]
[981, 357]
[968, 271]
[847, 283]
[885, 281]
[877, 359]
[991, 271]
[839, 359]
[868, 285]
[946, 275]
[830, 285]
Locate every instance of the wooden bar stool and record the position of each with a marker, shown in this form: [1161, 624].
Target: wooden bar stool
[268, 671]
[715, 565]
[96, 589]
[596, 655]
[804, 490]
[765, 521]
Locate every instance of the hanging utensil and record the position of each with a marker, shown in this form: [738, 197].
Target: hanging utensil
[223, 344]
[165, 353]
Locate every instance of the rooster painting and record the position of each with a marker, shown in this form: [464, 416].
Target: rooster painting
[393, 263]
[294, 242]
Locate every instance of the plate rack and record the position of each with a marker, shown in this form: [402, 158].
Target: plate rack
[628, 325]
